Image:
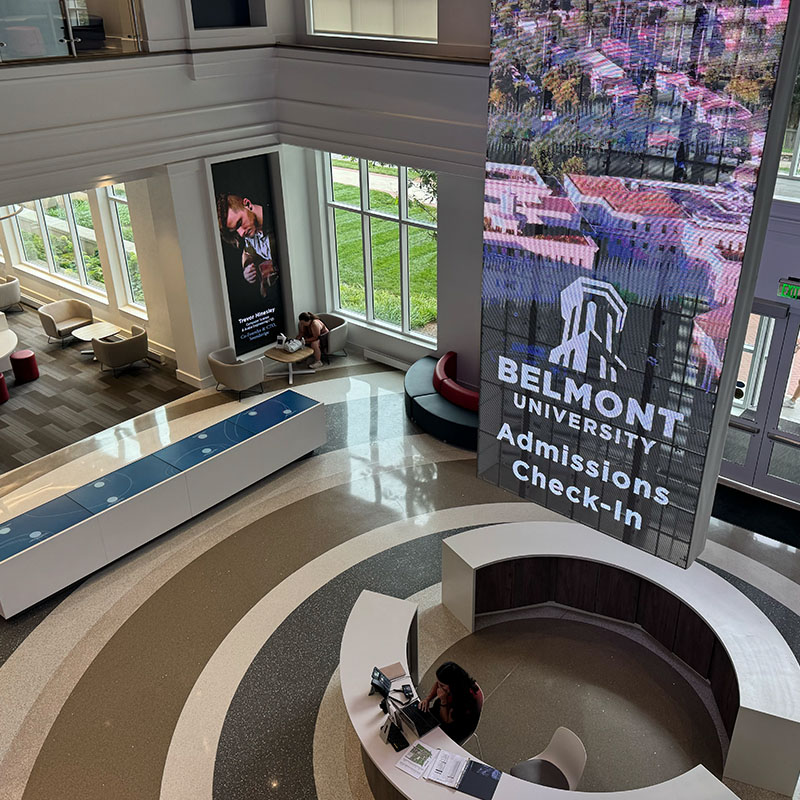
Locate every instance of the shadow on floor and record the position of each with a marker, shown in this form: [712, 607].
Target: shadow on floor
[755, 514]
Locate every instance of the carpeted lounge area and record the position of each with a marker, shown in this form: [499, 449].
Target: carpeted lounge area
[71, 399]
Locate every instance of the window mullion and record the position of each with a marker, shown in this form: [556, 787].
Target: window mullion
[366, 237]
[405, 291]
[40, 216]
[366, 234]
[72, 226]
[334, 256]
[402, 196]
[405, 297]
[795, 154]
[328, 177]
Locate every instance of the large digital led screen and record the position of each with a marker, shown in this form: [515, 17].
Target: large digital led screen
[625, 140]
[244, 210]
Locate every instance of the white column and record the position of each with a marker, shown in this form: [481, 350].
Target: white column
[186, 231]
[459, 271]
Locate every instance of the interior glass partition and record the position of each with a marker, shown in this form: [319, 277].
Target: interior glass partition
[31, 30]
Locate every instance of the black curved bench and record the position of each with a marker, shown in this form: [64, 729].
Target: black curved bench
[435, 415]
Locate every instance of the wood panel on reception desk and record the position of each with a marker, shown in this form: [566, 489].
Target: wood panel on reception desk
[694, 613]
[51, 546]
[381, 630]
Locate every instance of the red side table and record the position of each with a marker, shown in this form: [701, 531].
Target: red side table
[23, 362]
[3, 389]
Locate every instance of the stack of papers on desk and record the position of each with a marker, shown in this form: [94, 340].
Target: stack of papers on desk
[417, 759]
[470, 777]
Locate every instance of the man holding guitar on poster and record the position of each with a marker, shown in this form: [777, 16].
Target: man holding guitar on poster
[241, 223]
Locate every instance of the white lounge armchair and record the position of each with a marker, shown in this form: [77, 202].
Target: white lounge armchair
[59, 319]
[241, 376]
[333, 343]
[122, 353]
[10, 293]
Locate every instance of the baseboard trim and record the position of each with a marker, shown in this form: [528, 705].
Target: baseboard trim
[382, 358]
[193, 380]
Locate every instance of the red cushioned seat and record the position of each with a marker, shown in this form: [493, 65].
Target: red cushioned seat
[23, 362]
[444, 382]
[3, 388]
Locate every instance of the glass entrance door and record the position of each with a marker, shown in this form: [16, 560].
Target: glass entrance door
[31, 29]
[753, 392]
[762, 448]
[778, 468]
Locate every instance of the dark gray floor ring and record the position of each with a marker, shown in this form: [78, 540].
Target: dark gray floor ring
[266, 744]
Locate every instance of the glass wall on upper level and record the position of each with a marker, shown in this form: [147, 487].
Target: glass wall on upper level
[42, 29]
[379, 19]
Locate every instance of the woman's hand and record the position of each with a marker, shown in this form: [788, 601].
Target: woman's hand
[424, 705]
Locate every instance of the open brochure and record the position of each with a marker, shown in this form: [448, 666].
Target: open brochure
[470, 777]
[417, 759]
[447, 768]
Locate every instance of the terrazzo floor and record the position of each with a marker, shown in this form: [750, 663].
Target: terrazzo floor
[204, 665]
[640, 721]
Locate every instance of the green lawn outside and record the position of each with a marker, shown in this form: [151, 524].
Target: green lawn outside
[385, 262]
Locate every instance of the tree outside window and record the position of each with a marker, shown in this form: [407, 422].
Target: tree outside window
[57, 235]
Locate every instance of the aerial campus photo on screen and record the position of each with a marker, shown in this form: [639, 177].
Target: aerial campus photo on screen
[625, 139]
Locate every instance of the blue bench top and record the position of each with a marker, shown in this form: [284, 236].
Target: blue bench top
[57, 515]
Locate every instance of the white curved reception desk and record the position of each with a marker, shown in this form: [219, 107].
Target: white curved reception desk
[695, 613]
[382, 630]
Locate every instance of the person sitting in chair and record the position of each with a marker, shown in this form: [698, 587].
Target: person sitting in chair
[311, 328]
[456, 699]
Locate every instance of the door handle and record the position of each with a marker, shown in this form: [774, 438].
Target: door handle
[733, 422]
[779, 437]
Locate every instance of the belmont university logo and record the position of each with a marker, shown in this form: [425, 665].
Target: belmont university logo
[594, 316]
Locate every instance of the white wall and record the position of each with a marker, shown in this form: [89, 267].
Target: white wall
[780, 258]
[75, 125]
[296, 208]
[459, 275]
[149, 230]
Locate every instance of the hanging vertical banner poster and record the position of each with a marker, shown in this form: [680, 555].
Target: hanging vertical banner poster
[625, 140]
[247, 231]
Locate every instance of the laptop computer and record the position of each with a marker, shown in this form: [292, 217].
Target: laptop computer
[416, 722]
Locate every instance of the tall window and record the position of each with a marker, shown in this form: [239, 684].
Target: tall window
[127, 248]
[382, 224]
[379, 19]
[57, 236]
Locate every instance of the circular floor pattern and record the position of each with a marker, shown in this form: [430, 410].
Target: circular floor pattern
[640, 721]
[265, 747]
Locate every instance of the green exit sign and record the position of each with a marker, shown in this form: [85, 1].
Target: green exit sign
[789, 287]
